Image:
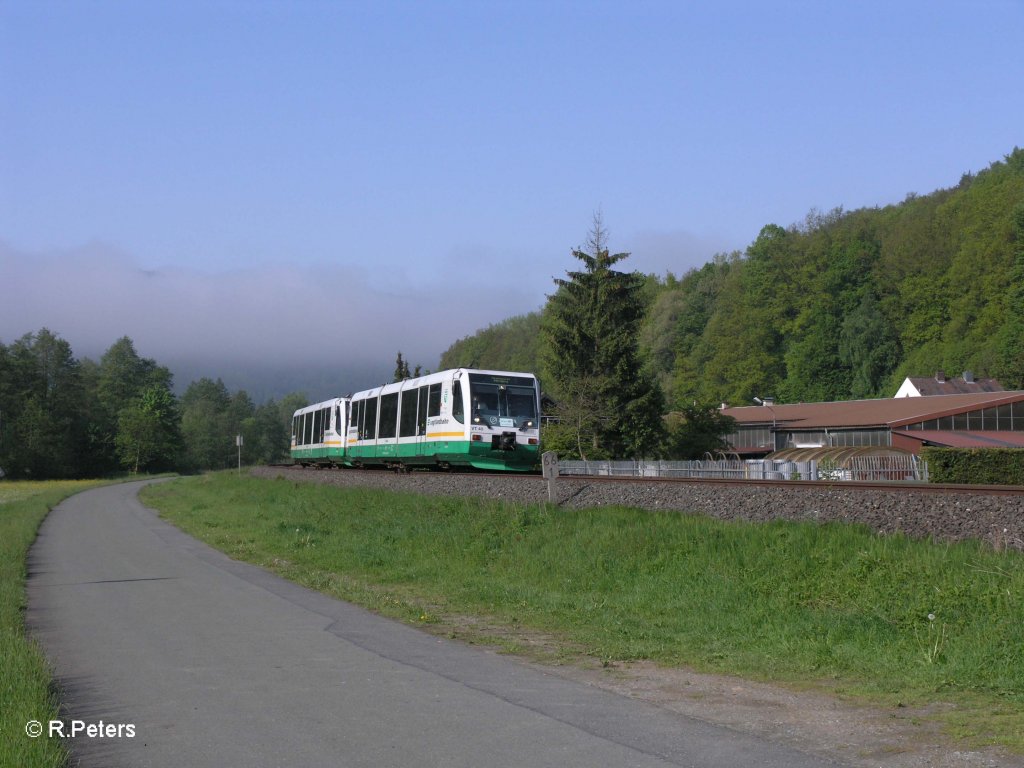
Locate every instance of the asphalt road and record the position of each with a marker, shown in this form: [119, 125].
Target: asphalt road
[217, 663]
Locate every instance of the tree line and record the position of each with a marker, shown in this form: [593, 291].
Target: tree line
[843, 305]
[61, 417]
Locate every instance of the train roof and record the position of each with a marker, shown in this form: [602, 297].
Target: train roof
[432, 378]
[323, 404]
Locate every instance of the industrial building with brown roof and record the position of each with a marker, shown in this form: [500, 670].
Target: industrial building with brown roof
[979, 420]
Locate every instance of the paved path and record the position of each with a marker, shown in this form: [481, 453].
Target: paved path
[218, 663]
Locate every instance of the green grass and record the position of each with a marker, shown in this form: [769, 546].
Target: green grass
[25, 690]
[826, 606]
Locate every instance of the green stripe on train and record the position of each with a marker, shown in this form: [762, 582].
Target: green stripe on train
[456, 452]
[336, 455]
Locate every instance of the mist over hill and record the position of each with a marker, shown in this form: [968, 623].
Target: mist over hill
[271, 381]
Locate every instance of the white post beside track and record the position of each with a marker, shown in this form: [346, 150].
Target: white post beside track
[549, 468]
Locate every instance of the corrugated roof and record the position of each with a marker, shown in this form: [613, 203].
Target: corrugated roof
[890, 412]
[966, 439]
[840, 455]
[929, 385]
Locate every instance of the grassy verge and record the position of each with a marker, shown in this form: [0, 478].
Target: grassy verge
[882, 619]
[24, 675]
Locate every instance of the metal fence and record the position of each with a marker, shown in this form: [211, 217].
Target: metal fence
[863, 468]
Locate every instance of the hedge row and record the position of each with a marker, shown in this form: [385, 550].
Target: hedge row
[980, 466]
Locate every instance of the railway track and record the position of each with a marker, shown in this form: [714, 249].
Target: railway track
[993, 514]
[851, 485]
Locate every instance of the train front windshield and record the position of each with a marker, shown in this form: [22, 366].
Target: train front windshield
[503, 401]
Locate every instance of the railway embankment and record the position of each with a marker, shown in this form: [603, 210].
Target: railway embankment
[989, 516]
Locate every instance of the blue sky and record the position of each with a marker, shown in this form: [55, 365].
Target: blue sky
[410, 172]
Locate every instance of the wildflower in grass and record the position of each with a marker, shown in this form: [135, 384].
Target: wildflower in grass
[932, 645]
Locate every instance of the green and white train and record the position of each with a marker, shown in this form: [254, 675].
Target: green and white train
[318, 433]
[458, 418]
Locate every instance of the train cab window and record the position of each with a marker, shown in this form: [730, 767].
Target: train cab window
[421, 412]
[407, 417]
[388, 415]
[295, 424]
[457, 410]
[503, 400]
[434, 400]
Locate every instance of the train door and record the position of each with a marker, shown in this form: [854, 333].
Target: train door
[421, 421]
[407, 438]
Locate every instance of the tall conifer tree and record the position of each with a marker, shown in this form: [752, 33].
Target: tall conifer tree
[591, 328]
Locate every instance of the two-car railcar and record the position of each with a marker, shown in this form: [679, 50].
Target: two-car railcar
[457, 418]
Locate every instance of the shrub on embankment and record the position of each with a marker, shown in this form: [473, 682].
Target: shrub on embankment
[984, 466]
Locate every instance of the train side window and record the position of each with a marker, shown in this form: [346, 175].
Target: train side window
[407, 417]
[325, 422]
[457, 413]
[357, 418]
[421, 412]
[370, 425]
[388, 415]
[308, 429]
[434, 400]
[318, 426]
[295, 424]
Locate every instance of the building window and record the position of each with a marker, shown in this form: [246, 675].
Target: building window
[751, 437]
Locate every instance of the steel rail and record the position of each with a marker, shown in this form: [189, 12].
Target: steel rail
[896, 486]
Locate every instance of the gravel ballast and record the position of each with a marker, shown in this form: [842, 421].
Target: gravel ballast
[997, 519]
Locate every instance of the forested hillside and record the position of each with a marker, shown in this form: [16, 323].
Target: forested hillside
[842, 305]
[511, 345]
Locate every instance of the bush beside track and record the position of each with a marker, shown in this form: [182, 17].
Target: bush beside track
[997, 519]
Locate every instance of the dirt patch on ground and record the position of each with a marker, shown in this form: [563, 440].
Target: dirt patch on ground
[813, 722]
